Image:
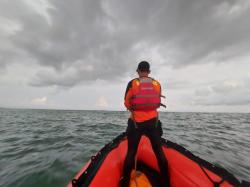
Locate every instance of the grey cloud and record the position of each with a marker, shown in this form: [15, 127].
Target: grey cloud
[103, 35]
[203, 92]
[236, 99]
[175, 84]
[192, 28]
[226, 88]
[224, 93]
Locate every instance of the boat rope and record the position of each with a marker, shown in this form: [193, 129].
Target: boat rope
[216, 184]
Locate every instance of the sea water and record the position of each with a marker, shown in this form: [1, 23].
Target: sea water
[48, 147]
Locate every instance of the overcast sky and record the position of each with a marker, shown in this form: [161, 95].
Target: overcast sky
[80, 54]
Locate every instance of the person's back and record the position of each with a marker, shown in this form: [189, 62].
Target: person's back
[142, 98]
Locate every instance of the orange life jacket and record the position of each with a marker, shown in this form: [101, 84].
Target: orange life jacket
[144, 95]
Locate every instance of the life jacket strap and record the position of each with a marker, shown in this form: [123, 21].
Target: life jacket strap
[145, 96]
[146, 104]
[163, 96]
[163, 105]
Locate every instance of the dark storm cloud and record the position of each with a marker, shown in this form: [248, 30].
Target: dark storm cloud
[90, 40]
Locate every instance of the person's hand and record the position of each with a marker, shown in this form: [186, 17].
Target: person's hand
[130, 109]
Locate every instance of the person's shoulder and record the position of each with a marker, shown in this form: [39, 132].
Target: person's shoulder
[130, 83]
[129, 86]
[155, 82]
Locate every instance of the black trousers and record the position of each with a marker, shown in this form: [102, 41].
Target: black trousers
[134, 134]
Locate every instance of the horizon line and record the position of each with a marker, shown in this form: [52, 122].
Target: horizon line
[109, 110]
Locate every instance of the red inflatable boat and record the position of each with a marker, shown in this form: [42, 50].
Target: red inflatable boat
[185, 169]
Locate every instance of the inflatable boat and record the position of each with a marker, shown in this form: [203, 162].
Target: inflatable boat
[185, 169]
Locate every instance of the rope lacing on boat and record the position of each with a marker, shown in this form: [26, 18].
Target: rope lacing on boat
[216, 184]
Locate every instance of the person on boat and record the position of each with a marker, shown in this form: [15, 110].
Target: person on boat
[142, 98]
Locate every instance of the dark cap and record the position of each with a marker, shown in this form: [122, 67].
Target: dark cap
[143, 66]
